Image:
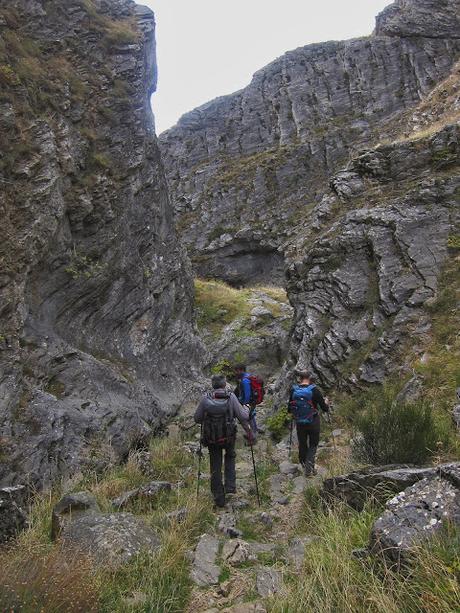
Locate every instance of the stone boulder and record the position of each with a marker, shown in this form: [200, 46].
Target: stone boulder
[111, 539]
[416, 514]
[205, 571]
[148, 491]
[288, 468]
[69, 508]
[268, 581]
[379, 483]
[13, 512]
[227, 525]
[236, 552]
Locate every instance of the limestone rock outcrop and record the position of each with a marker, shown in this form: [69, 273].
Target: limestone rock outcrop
[376, 483]
[381, 238]
[245, 169]
[110, 539]
[417, 514]
[96, 315]
[433, 18]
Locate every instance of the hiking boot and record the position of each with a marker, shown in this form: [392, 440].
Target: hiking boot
[310, 471]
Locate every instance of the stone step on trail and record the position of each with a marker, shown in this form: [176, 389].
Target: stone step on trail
[205, 571]
[227, 525]
[297, 548]
[278, 487]
[289, 468]
[299, 483]
[268, 581]
[236, 552]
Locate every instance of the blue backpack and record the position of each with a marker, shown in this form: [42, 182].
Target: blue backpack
[301, 404]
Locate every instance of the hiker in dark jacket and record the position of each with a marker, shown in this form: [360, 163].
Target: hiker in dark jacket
[217, 412]
[244, 393]
[305, 401]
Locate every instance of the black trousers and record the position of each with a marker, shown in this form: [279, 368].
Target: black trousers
[216, 455]
[308, 437]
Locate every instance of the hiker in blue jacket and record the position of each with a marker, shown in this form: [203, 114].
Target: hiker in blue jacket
[244, 394]
[305, 401]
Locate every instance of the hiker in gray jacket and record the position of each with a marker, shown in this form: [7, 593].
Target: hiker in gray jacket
[216, 413]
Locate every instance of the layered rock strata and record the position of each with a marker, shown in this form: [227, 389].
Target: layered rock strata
[245, 168]
[95, 294]
[362, 274]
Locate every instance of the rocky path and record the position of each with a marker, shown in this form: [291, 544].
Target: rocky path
[250, 558]
[243, 562]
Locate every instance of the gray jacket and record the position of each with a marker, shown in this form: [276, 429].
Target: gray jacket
[218, 406]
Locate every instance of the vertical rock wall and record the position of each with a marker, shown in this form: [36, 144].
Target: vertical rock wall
[96, 323]
[244, 169]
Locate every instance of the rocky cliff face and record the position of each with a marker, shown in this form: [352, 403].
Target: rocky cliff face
[362, 276]
[245, 168]
[95, 294]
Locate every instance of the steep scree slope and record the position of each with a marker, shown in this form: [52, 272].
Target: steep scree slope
[245, 168]
[95, 295]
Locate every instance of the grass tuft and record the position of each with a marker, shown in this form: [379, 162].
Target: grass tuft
[47, 579]
[218, 304]
[332, 579]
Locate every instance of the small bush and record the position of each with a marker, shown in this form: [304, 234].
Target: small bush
[83, 267]
[8, 76]
[454, 241]
[223, 367]
[391, 432]
[277, 423]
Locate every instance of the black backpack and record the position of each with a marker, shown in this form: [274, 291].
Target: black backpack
[218, 430]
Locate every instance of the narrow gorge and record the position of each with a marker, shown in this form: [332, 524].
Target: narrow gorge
[308, 222]
[339, 167]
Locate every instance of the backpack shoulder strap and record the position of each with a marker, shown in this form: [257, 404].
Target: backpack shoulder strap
[230, 412]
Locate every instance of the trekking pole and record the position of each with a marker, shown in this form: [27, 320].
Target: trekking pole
[329, 420]
[200, 454]
[291, 428]
[255, 472]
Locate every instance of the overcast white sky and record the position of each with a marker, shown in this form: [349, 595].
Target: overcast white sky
[208, 48]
